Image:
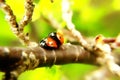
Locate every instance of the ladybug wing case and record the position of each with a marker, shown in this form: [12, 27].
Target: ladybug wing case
[48, 43]
[53, 35]
[53, 41]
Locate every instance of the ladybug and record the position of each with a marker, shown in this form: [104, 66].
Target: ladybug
[53, 41]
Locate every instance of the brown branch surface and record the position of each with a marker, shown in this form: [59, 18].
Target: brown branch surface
[12, 57]
[17, 59]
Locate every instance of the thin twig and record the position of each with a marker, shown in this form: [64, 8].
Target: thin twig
[16, 28]
[102, 50]
[9, 16]
[67, 17]
[105, 57]
[29, 7]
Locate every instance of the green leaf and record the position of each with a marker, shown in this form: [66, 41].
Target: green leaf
[44, 73]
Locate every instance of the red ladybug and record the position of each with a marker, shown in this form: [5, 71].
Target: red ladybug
[53, 41]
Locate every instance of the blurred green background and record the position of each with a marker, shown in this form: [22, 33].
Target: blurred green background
[91, 17]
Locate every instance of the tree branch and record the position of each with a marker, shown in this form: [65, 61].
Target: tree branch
[29, 7]
[16, 28]
[16, 59]
[10, 17]
[11, 57]
[67, 17]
